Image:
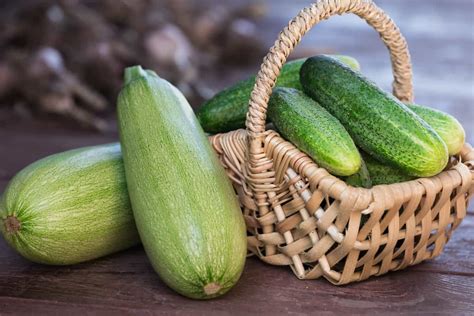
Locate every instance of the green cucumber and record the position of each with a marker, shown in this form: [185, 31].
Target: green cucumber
[380, 124]
[361, 179]
[227, 110]
[384, 174]
[349, 61]
[69, 207]
[447, 127]
[314, 131]
[185, 207]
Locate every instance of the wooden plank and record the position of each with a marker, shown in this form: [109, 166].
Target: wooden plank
[261, 289]
[17, 306]
[125, 282]
[23, 144]
[457, 257]
[3, 185]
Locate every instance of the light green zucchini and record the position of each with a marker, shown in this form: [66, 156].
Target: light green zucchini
[70, 207]
[186, 210]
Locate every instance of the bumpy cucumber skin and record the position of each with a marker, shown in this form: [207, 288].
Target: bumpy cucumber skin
[447, 127]
[72, 207]
[227, 110]
[379, 123]
[361, 179]
[313, 130]
[186, 210]
[384, 174]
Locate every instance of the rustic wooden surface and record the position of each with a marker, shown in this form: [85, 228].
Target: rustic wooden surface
[440, 34]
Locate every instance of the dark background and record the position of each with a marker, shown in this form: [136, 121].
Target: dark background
[204, 46]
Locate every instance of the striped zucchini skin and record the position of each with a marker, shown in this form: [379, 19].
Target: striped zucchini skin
[379, 123]
[313, 130]
[227, 110]
[186, 210]
[70, 207]
[447, 127]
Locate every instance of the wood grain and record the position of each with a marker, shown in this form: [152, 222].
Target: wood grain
[23, 143]
[126, 282]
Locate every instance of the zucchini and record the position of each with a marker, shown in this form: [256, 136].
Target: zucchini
[314, 131]
[384, 174]
[227, 110]
[379, 123]
[360, 179]
[186, 210]
[69, 207]
[447, 127]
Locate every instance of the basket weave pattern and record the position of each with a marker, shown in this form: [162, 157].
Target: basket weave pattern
[297, 214]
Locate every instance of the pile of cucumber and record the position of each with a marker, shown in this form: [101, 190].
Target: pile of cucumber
[164, 186]
[345, 123]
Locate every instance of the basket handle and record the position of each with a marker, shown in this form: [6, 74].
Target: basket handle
[291, 36]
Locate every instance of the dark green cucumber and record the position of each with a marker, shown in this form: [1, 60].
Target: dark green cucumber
[185, 207]
[447, 127]
[384, 174]
[379, 123]
[69, 207]
[360, 179]
[313, 130]
[227, 110]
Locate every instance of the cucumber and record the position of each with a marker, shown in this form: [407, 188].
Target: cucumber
[69, 207]
[379, 123]
[185, 207]
[349, 61]
[227, 110]
[360, 179]
[314, 131]
[447, 127]
[384, 174]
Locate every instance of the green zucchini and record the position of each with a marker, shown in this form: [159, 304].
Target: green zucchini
[384, 174]
[186, 210]
[69, 207]
[379, 123]
[360, 179]
[313, 130]
[227, 110]
[447, 127]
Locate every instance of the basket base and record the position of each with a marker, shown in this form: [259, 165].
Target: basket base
[301, 216]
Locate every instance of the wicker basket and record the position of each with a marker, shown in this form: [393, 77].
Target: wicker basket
[297, 214]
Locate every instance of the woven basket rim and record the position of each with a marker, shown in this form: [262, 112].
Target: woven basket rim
[464, 168]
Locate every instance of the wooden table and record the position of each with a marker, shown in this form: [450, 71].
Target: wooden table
[125, 283]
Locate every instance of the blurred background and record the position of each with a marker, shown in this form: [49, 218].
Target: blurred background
[61, 61]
